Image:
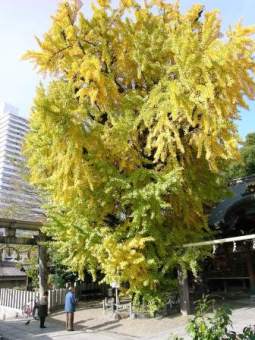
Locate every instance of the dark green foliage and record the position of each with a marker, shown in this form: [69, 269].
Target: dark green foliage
[210, 324]
[246, 165]
[205, 326]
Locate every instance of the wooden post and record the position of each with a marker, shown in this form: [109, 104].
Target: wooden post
[43, 270]
[244, 284]
[225, 285]
[117, 296]
[184, 291]
[10, 232]
[50, 302]
[250, 272]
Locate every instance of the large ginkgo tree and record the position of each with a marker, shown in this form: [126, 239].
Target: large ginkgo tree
[130, 135]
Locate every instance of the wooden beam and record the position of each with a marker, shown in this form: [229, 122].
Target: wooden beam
[18, 240]
[220, 241]
[228, 278]
[18, 224]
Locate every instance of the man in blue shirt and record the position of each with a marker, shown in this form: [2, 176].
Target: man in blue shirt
[70, 302]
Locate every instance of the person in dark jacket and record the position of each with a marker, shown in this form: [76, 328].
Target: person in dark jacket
[43, 309]
[70, 303]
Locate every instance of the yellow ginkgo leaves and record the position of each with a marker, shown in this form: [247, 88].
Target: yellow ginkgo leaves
[128, 141]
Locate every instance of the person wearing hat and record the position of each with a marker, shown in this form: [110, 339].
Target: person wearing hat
[70, 303]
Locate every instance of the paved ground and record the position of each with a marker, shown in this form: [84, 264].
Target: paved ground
[91, 323]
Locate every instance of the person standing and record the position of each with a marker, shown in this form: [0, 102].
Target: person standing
[70, 303]
[43, 309]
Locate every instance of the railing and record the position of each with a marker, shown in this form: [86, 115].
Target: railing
[17, 299]
[109, 305]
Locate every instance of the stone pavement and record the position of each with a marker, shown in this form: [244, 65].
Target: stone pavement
[91, 323]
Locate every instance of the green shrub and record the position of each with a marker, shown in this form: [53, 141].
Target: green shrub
[207, 326]
[210, 324]
[247, 334]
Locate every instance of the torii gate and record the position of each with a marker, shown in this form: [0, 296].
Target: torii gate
[226, 212]
[11, 226]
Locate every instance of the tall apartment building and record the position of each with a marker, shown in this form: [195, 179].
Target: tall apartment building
[17, 199]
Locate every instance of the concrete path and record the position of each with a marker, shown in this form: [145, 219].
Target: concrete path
[17, 330]
[91, 323]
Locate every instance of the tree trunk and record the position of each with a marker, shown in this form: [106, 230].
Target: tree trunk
[184, 292]
[43, 270]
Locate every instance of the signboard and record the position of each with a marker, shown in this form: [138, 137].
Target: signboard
[115, 285]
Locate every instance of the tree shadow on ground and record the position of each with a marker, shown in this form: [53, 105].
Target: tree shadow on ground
[81, 325]
[80, 306]
[104, 324]
[82, 321]
[90, 304]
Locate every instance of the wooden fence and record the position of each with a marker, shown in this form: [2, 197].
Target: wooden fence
[14, 298]
[56, 298]
[17, 299]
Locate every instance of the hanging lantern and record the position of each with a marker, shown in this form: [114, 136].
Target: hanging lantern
[234, 247]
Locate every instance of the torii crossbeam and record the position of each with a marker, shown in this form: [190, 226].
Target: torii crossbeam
[10, 226]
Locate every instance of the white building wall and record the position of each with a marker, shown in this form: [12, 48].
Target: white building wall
[17, 198]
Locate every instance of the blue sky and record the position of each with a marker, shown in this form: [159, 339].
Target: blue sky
[21, 20]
